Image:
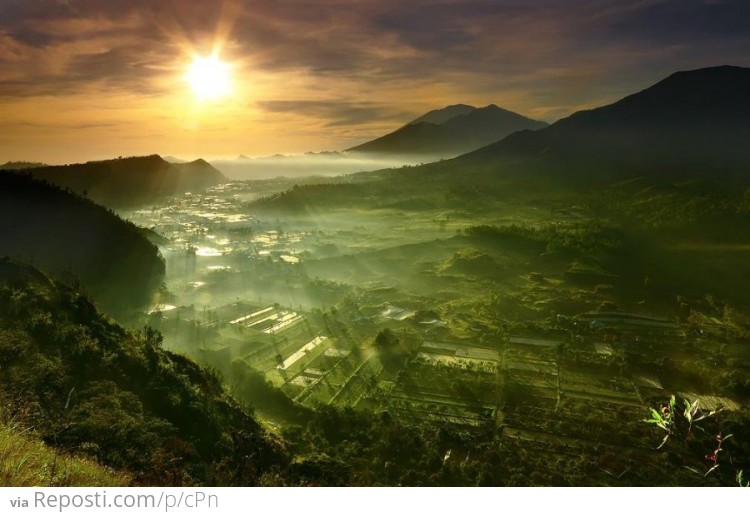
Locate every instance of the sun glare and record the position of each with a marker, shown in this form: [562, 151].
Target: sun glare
[209, 78]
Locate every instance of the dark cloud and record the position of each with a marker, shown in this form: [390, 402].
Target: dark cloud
[338, 113]
[686, 21]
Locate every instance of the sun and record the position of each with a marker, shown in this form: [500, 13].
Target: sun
[209, 77]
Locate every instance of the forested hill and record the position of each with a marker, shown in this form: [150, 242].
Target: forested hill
[85, 384]
[130, 181]
[74, 238]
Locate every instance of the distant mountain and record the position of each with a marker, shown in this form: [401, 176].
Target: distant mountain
[72, 237]
[439, 116]
[174, 160]
[20, 165]
[451, 131]
[693, 122]
[131, 181]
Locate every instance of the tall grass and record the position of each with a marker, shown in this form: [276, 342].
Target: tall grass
[25, 461]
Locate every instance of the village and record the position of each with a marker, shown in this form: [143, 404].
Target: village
[239, 293]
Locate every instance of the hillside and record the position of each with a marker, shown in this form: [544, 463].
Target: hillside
[27, 461]
[86, 385]
[449, 132]
[693, 122]
[71, 236]
[130, 181]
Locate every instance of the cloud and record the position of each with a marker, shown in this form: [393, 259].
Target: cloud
[337, 112]
[365, 65]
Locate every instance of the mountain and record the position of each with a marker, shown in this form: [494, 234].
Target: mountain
[693, 122]
[439, 116]
[132, 180]
[449, 132]
[73, 237]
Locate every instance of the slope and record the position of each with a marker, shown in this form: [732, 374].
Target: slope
[70, 236]
[88, 386]
[26, 461]
[692, 123]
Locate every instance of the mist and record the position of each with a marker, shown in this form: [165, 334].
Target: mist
[313, 164]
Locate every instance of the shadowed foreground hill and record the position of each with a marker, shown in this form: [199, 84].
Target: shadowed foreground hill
[73, 237]
[132, 180]
[85, 384]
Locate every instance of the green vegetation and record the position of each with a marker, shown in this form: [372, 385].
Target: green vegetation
[80, 242]
[85, 384]
[25, 461]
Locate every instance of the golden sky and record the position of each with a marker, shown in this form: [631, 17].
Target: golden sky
[91, 79]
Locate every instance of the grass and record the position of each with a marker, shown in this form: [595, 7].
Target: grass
[25, 461]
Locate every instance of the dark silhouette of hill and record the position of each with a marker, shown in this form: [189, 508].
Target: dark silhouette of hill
[439, 116]
[73, 237]
[20, 164]
[131, 180]
[86, 385]
[693, 122]
[459, 133]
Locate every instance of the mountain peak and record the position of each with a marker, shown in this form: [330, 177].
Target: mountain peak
[450, 131]
[439, 116]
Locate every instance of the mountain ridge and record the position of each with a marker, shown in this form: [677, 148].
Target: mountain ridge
[691, 121]
[438, 116]
[130, 181]
[455, 135]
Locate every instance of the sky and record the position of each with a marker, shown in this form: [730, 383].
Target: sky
[94, 79]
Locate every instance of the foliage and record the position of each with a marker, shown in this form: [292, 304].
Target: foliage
[87, 385]
[702, 447]
[75, 239]
[579, 239]
[25, 461]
